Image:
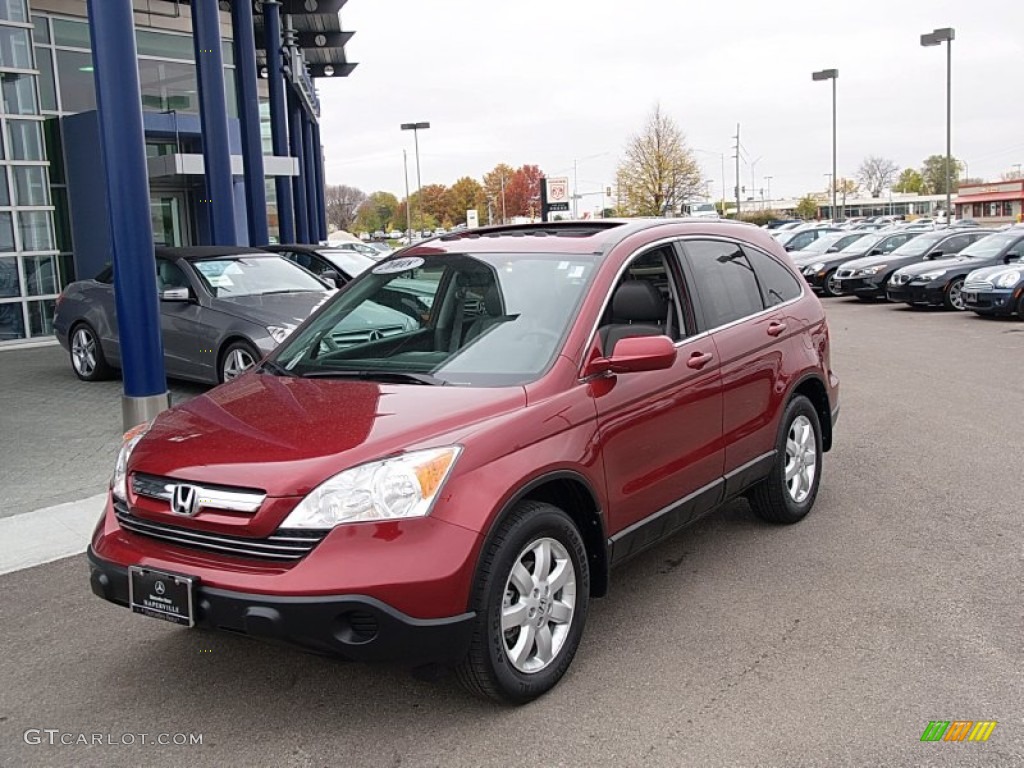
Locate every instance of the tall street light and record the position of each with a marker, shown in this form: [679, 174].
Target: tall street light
[416, 128]
[938, 37]
[833, 75]
[768, 181]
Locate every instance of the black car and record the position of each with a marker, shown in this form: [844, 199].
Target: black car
[940, 283]
[867, 276]
[819, 270]
[996, 290]
[335, 265]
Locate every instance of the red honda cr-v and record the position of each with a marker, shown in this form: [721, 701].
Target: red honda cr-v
[444, 462]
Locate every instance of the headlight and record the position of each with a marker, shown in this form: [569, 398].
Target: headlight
[280, 332]
[400, 487]
[119, 482]
[812, 268]
[1008, 280]
[934, 275]
[873, 270]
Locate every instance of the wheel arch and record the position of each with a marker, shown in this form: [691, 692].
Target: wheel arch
[573, 494]
[227, 341]
[813, 388]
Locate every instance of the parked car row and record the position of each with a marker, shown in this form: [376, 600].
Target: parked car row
[956, 268]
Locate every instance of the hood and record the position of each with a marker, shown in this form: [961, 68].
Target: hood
[286, 435]
[273, 308]
[865, 261]
[993, 273]
[953, 262]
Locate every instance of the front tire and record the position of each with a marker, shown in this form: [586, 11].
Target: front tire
[531, 600]
[87, 360]
[788, 493]
[237, 358]
[830, 286]
[954, 296]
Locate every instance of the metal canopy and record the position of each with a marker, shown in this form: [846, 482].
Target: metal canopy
[319, 33]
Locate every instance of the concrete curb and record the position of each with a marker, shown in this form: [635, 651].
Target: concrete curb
[48, 534]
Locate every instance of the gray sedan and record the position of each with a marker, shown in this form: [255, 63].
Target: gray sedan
[222, 309]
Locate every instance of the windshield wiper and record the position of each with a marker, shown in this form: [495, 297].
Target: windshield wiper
[403, 377]
[277, 369]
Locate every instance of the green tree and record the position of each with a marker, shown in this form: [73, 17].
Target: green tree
[807, 208]
[465, 194]
[910, 182]
[379, 211]
[658, 171]
[933, 171]
[496, 184]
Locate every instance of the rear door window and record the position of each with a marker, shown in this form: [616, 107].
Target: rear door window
[724, 281]
[778, 284]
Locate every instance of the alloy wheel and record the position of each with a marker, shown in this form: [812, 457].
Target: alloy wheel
[801, 459]
[237, 362]
[539, 602]
[956, 295]
[83, 352]
[832, 285]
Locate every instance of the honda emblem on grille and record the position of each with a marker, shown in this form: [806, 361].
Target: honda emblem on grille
[185, 500]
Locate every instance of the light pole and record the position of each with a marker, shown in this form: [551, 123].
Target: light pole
[416, 128]
[831, 186]
[833, 75]
[938, 37]
[768, 182]
[408, 202]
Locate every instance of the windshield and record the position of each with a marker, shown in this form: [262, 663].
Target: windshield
[920, 245]
[252, 275]
[480, 320]
[349, 262]
[822, 244]
[989, 246]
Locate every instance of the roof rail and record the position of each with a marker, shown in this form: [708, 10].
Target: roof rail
[540, 229]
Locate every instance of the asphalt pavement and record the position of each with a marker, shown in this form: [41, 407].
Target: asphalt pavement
[830, 643]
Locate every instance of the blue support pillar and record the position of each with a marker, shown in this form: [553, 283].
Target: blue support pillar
[278, 117]
[123, 147]
[296, 133]
[213, 114]
[312, 205]
[249, 121]
[321, 207]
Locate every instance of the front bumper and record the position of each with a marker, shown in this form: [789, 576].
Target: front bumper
[997, 302]
[355, 627]
[916, 293]
[815, 279]
[868, 287]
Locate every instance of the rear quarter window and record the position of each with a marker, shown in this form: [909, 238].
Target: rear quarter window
[724, 280]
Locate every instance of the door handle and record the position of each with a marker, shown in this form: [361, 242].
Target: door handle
[699, 359]
[775, 328]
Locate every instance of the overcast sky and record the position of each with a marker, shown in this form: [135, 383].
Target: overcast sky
[556, 81]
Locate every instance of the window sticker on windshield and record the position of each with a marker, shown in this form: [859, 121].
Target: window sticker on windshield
[398, 265]
[563, 265]
[219, 281]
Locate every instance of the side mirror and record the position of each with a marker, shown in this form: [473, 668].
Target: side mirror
[634, 354]
[1012, 256]
[332, 276]
[175, 294]
[876, 252]
[934, 255]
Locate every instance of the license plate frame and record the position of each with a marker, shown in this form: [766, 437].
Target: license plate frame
[162, 595]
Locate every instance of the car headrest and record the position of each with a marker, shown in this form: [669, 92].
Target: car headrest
[492, 300]
[638, 301]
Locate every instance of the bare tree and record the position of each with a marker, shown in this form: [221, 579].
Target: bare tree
[876, 174]
[342, 203]
[658, 172]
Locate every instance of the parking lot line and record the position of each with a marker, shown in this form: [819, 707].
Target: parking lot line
[48, 534]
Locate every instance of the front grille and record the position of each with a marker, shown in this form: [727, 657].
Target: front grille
[207, 496]
[978, 286]
[362, 336]
[284, 544]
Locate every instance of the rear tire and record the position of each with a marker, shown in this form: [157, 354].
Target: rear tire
[789, 491]
[530, 599]
[87, 360]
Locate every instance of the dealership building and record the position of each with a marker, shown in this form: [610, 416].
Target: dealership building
[247, 110]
